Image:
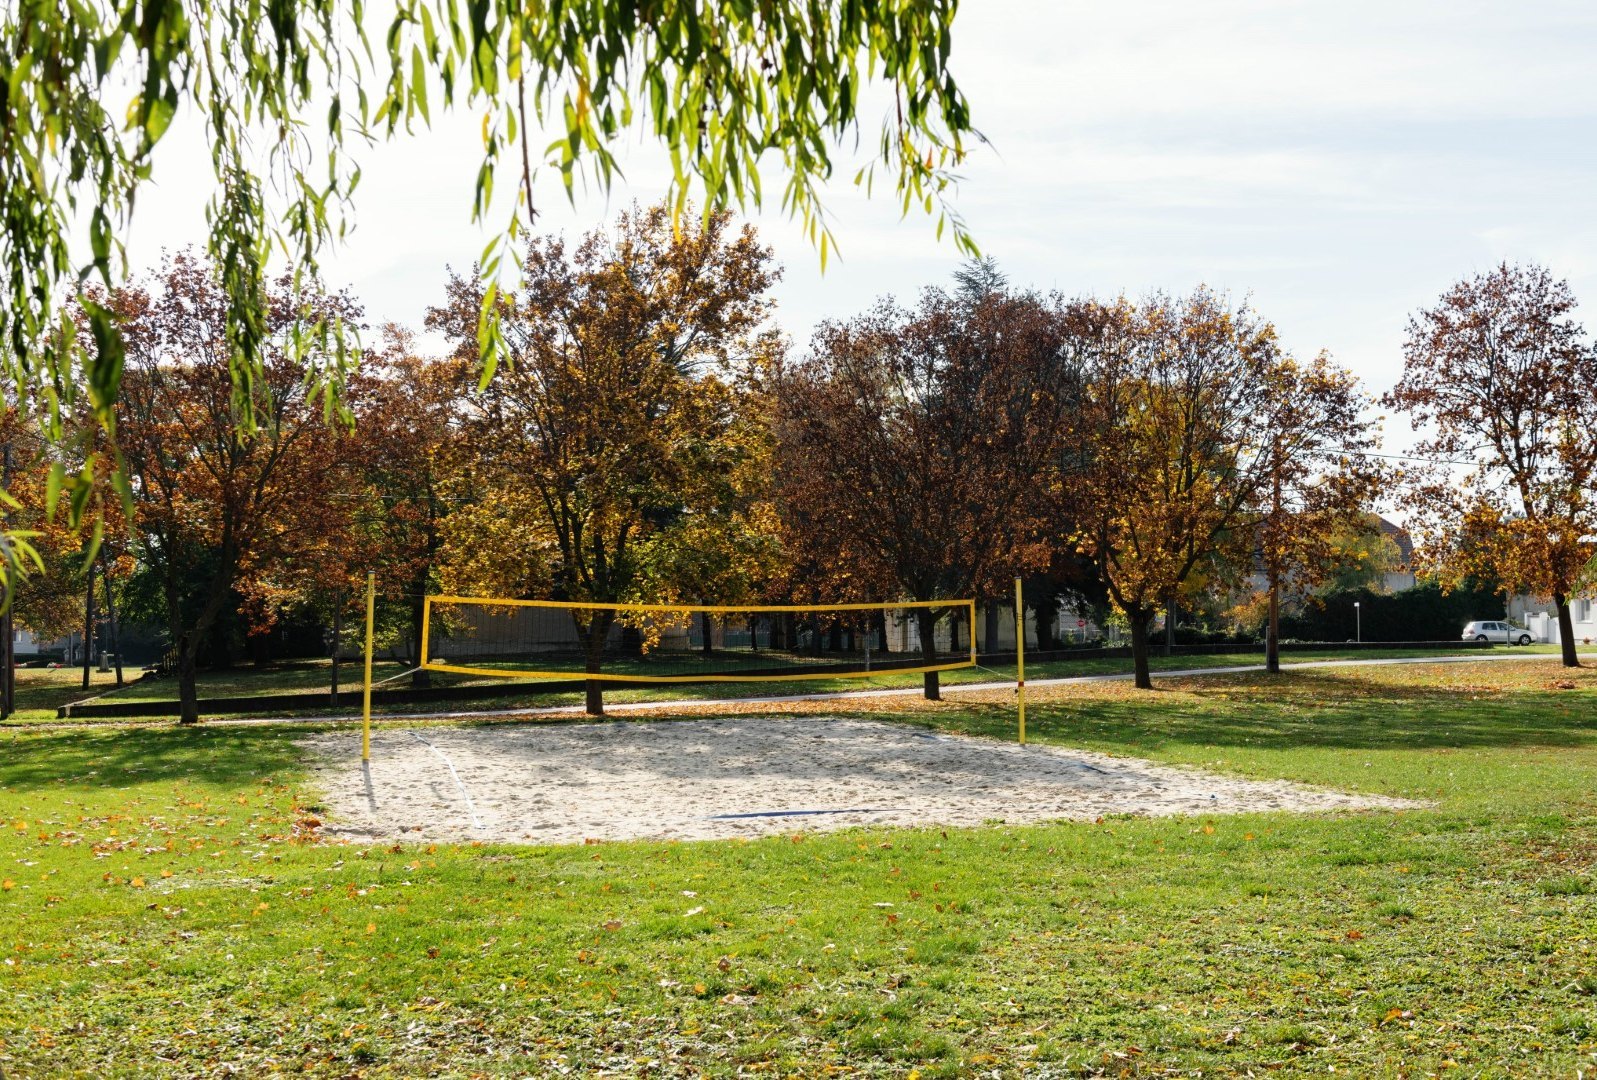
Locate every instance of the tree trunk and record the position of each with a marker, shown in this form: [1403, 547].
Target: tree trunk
[88, 629]
[1170, 627]
[1272, 632]
[595, 689]
[926, 620]
[110, 610]
[188, 692]
[632, 641]
[338, 642]
[8, 651]
[1047, 622]
[1566, 631]
[421, 676]
[709, 628]
[1140, 621]
[593, 640]
[10, 687]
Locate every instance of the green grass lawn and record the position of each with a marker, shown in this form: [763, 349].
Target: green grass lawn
[41, 691]
[167, 910]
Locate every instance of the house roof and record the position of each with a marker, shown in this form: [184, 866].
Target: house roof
[1400, 537]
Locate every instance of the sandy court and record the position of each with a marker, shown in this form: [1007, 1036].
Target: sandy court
[703, 779]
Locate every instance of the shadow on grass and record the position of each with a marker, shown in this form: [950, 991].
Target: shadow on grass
[1305, 710]
[129, 757]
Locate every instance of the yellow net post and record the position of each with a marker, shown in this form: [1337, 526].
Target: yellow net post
[366, 696]
[1020, 660]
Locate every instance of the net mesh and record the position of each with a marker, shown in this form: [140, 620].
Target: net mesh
[651, 643]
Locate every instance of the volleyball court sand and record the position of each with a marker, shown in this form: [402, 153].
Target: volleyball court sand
[705, 779]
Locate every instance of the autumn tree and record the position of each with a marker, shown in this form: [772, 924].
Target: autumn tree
[1321, 480]
[911, 444]
[48, 599]
[411, 463]
[1501, 377]
[620, 412]
[1194, 415]
[216, 506]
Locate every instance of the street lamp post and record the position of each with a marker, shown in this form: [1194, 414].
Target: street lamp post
[1358, 624]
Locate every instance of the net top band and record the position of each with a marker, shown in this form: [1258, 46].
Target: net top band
[714, 609]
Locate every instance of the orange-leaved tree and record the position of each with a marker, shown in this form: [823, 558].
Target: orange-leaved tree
[914, 448]
[1322, 479]
[1503, 380]
[621, 406]
[1195, 417]
[218, 507]
[412, 462]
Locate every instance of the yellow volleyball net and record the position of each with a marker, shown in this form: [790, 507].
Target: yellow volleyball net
[675, 643]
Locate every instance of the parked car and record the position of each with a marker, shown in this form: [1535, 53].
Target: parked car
[1506, 633]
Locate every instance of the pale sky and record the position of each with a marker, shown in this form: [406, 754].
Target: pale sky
[1341, 164]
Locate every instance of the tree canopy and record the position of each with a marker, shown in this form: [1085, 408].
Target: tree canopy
[913, 446]
[620, 420]
[288, 92]
[1502, 377]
